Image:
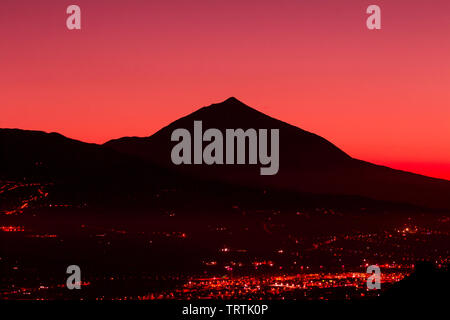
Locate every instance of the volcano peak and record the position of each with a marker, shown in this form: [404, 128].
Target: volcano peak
[233, 103]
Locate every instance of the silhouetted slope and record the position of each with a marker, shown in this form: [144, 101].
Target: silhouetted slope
[426, 284]
[308, 163]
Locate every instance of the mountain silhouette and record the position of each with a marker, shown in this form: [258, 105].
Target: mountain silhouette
[308, 162]
[234, 114]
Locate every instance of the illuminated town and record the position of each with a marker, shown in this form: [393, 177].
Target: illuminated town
[261, 257]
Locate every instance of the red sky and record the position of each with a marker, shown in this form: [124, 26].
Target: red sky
[382, 96]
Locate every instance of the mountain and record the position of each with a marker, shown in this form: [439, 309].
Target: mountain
[234, 114]
[308, 162]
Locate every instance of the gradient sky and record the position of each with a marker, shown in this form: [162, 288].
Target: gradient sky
[382, 96]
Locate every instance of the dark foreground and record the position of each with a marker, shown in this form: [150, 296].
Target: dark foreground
[309, 253]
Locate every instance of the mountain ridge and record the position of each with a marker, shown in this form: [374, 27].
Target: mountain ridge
[230, 113]
[308, 162]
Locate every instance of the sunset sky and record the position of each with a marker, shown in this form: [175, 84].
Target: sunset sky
[381, 96]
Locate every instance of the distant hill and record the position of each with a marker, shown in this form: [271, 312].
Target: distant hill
[37, 156]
